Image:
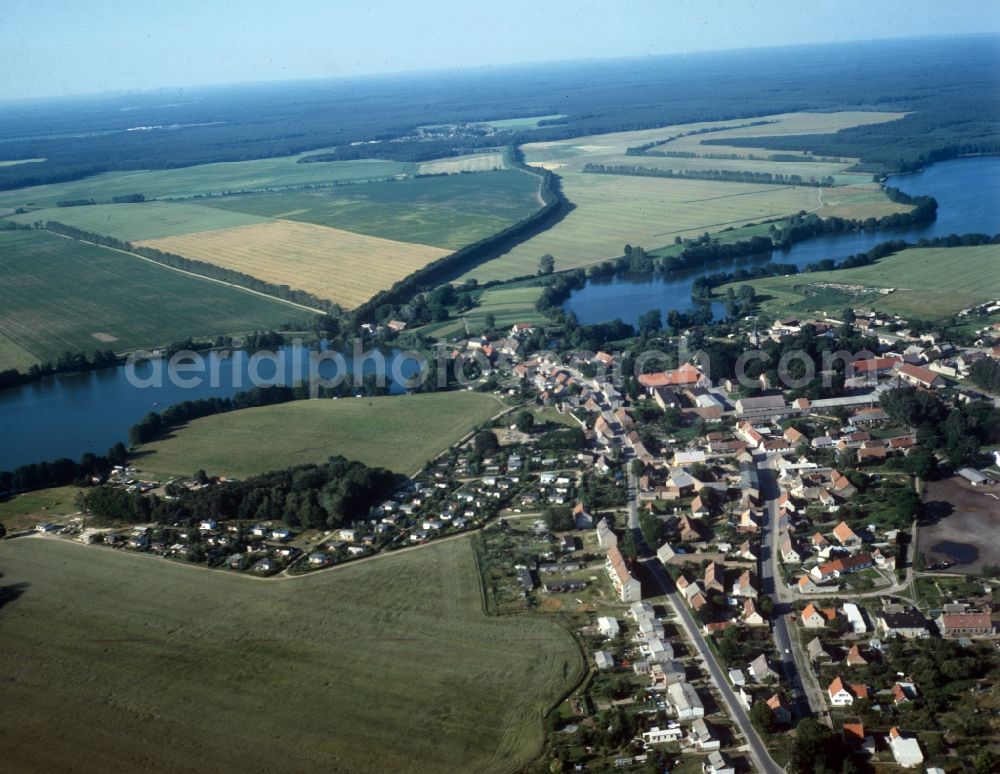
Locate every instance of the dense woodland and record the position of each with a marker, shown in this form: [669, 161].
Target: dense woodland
[948, 86]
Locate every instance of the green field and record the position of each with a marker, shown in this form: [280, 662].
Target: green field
[929, 283]
[614, 210]
[398, 432]
[507, 305]
[148, 220]
[206, 179]
[26, 510]
[59, 295]
[450, 211]
[117, 662]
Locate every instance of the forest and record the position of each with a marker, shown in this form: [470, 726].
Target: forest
[951, 108]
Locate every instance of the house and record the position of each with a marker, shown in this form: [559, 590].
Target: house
[855, 617]
[805, 585]
[903, 692]
[606, 538]
[905, 751]
[717, 764]
[687, 376]
[841, 566]
[920, 377]
[817, 618]
[874, 367]
[582, 519]
[688, 530]
[524, 578]
[971, 624]
[842, 695]
[855, 657]
[396, 326]
[657, 735]
[779, 710]
[899, 621]
[665, 553]
[608, 626]
[845, 535]
[789, 554]
[766, 405]
[854, 734]
[698, 508]
[603, 660]
[750, 615]
[715, 577]
[743, 586]
[737, 677]
[819, 542]
[760, 670]
[701, 736]
[629, 589]
[817, 650]
[685, 701]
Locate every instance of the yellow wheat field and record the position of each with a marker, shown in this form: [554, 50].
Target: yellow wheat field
[476, 162]
[341, 266]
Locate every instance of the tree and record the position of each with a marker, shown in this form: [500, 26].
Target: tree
[525, 421]
[486, 442]
[766, 605]
[558, 519]
[760, 716]
[546, 264]
[489, 322]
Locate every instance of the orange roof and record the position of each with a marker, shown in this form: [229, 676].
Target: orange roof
[854, 731]
[843, 532]
[836, 686]
[684, 376]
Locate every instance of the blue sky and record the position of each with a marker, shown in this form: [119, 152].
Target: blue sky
[56, 47]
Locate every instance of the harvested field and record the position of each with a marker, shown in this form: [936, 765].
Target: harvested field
[966, 520]
[475, 162]
[122, 662]
[341, 266]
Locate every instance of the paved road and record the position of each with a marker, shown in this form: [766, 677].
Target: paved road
[761, 758]
[807, 696]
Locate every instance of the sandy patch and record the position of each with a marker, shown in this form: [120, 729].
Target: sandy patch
[107, 338]
[549, 165]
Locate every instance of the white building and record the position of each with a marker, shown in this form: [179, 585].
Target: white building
[906, 751]
[685, 701]
[657, 735]
[855, 618]
[604, 660]
[608, 626]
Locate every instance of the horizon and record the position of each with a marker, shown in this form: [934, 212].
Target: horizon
[44, 63]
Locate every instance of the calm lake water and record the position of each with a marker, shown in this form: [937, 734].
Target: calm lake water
[968, 195]
[70, 414]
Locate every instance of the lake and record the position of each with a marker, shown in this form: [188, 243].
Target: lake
[968, 195]
[70, 414]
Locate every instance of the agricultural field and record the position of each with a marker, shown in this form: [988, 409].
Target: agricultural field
[145, 664]
[146, 220]
[508, 305]
[26, 510]
[928, 283]
[400, 433]
[474, 162]
[448, 212]
[341, 266]
[206, 180]
[614, 210]
[15, 162]
[59, 295]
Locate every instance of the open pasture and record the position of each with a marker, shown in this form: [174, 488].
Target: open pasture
[614, 210]
[448, 212]
[341, 266]
[474, 162]
[206, 179]
[929, 283]
[145, 220]
[59, 295]
[507, 305]
[399, 432]
[130, 663]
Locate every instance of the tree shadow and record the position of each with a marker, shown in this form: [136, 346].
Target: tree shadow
[11, 592]
[936, 510]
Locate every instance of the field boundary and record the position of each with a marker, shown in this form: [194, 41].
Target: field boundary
[189, 273]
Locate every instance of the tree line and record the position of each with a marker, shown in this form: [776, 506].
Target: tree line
[724, 175]
[62, 471]
[335, 493]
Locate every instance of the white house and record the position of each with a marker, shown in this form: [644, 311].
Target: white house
[701, 736]
[906, 751]
[855, 618]
[717, 764]
[608, 626]
[603, 660]
[657, 735]
[685, 701]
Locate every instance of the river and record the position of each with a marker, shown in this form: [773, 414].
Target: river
[968, 195]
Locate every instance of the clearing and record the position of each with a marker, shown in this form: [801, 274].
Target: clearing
[340, 266]
[964, 522]
[447, 211]
[508, 305]
[928, 283]
[474, 162]
[26, 510]
[387, 665]
[57, 293]
[396, 432]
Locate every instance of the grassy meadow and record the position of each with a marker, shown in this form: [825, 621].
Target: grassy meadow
[58, 294]
[396, 432]
[206, 179]
[507, 305]
[929, 283]
[340, 266]
[614, 210]
[448, 212]
[146, 220]
[26, 510]
[118, 662]
[474, 162]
